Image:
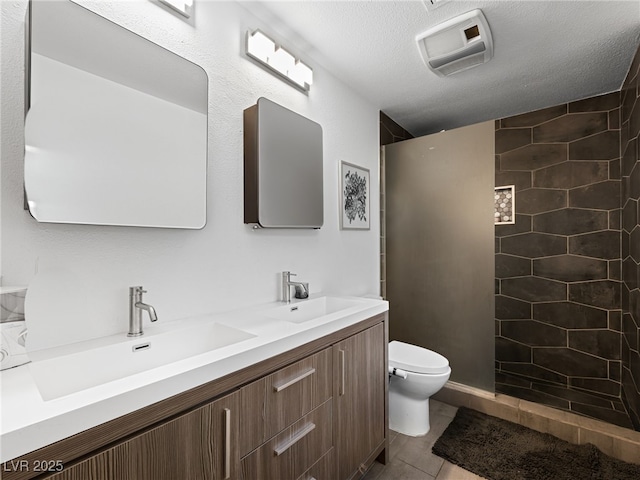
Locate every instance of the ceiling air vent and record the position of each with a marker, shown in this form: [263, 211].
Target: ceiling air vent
[458, 44]
[431, 4]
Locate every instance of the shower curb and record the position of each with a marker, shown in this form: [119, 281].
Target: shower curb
[618, 442]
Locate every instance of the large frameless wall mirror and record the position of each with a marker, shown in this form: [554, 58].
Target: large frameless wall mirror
[116, 128]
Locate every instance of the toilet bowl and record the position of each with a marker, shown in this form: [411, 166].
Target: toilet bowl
[415, 374]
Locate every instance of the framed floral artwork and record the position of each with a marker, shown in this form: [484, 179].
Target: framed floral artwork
[505, 205]
[354, 197]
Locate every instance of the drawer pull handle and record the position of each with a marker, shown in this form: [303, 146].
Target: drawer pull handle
[227, 443]
[342, 372]
[279, 388]
[295, 439]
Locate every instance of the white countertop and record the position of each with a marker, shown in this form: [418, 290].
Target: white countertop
[28, 422]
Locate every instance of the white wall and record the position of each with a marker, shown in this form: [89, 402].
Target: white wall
[79, 275]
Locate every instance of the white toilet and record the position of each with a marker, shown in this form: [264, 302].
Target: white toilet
[415, 374]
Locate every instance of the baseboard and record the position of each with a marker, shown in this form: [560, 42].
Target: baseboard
[466, 389]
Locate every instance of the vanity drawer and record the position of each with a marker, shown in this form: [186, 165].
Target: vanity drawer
[323, 469]
[276, 401]
[290, 453]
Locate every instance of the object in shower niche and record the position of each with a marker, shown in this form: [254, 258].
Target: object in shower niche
[354, 193]
[13, 328]
[505, 205]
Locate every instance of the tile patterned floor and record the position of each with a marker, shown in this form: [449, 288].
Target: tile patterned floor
[411, 457]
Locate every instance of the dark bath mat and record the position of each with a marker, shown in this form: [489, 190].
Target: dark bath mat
[500, 450]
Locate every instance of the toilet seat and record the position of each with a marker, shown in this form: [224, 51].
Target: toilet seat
[412, 358]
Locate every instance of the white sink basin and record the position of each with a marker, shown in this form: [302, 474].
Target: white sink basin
[66, 374]
[307, 310]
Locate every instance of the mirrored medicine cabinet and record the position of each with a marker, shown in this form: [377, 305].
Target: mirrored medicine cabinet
[116, 126]
[283, 168]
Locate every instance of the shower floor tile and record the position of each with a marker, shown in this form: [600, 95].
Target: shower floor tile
[600, 407]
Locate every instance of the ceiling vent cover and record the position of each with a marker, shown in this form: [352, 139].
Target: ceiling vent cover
[458, 44]
[431, 4]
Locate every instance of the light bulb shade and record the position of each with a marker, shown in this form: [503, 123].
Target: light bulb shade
[277, 59]
[303, 73]
[282, 61]
[260, 46]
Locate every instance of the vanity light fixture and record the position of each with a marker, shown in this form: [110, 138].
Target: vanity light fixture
[277, 59]
[183, 7]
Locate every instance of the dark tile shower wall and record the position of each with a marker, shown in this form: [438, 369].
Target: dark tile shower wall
[568, 286]
[390, 132]
[559, 269]
[630, 171]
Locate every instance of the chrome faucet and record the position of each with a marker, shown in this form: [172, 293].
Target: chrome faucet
[302, 289]
[135, 311]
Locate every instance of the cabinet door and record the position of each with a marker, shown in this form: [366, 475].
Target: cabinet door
[360, 374]
[96, 467]
[201, 444]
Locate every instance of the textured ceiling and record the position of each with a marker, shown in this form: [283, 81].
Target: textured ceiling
[545, 53]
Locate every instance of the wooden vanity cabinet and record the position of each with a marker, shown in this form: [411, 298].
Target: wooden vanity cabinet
[201, 444]
[287, 421]
[318, 411]
[351, 378]
[360, 380]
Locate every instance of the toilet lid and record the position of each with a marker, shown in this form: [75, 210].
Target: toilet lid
[416, 359]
